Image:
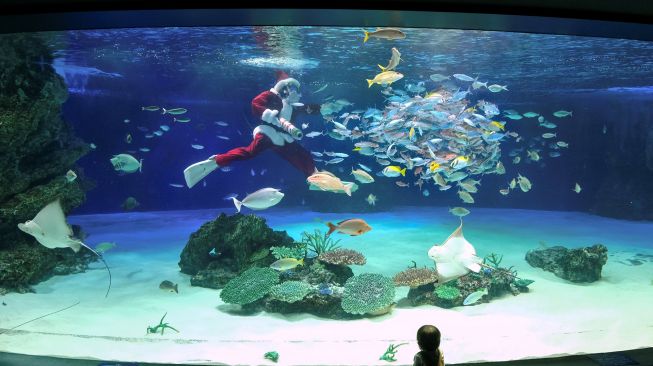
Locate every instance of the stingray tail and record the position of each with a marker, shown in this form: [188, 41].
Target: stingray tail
[105, 264]
[40, 317]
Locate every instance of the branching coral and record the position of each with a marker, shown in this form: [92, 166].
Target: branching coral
[493, 259]
[415, 277]
[342, 257]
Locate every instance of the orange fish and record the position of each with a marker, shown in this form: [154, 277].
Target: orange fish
[352, 227]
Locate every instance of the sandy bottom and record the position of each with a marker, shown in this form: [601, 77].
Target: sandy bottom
[555, 318]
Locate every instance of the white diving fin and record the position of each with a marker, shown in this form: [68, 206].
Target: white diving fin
[196, 172]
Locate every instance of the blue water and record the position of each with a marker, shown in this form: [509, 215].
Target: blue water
[215, 73]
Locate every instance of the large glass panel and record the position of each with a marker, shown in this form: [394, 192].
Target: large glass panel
[228, 194]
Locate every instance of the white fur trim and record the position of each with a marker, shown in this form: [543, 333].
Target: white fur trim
[278, 138]
[282, 83]
[270, 116]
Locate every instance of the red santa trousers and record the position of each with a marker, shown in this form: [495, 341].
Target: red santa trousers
[292, 152]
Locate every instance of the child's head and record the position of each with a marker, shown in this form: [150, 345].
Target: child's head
[428, 338]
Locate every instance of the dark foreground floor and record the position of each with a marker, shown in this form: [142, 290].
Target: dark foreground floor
[641, 357]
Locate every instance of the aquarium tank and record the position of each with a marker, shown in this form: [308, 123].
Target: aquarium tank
[313, 195]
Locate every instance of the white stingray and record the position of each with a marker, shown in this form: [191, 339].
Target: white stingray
[456, 257]
[49, 228]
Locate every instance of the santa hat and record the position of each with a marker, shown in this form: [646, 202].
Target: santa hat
[283, 80]
[281, 75]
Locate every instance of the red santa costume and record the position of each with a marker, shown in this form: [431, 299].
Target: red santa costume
[273, 107]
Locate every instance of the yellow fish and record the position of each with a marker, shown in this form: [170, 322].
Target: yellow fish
[387, 77]
[460, 162]
[393, 171]
[287, 264]
[357, 148]
[411, 133]
[434, 166]
[498, 125]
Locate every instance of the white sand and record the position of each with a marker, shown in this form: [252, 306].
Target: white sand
[555, 318]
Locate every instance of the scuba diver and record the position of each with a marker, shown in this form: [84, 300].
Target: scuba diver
[276, 108]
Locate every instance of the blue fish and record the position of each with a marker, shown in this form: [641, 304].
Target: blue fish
[494, 137]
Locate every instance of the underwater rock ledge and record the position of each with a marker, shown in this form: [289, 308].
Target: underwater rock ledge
[575, 265]
[221, 249]
[37, 148]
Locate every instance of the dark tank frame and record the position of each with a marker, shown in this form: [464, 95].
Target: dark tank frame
[630, 19]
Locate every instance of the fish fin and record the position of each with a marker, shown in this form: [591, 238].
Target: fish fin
[176, 287]
[369, 83]
[381, 67]
[348, 189]
[367, 36]
[163, 111]
[237, 203]
[403, 172]
[332, 228]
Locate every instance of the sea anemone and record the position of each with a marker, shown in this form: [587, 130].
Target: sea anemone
[415, 277]
[342, 257]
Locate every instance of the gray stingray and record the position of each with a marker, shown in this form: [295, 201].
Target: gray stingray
[49, 228]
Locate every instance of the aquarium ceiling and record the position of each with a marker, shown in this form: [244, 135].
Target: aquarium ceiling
[631, 19]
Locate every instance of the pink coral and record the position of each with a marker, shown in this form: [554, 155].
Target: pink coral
[414, 277]
[342, 257]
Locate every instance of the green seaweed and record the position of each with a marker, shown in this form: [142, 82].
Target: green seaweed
[318, 242]
[161, 325]
[390, 353]
[272, 356]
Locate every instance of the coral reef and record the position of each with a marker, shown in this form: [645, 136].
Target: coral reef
[497, 280]
[221, 249]
[340, 257]
[575, 265]
[297, 251]
[290, 291]
[249, 286]
[367, 293]
[37, 148]
[415, 277]
[446, 296]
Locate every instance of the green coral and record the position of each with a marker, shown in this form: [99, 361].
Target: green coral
[367, 292]
[297, 252]
[249, 286]
[493, 259]
[290, 291]
[448, 293]
[318, 242]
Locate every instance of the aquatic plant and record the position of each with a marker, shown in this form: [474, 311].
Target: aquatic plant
[272, 356]
[297, 252]
[390, 353]
[342, 257]
[318, 242]
[161, 326]
[446, 292]
[415, 277]
[367, 292]
[290, 291]
[493, 259]
[249, 286]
